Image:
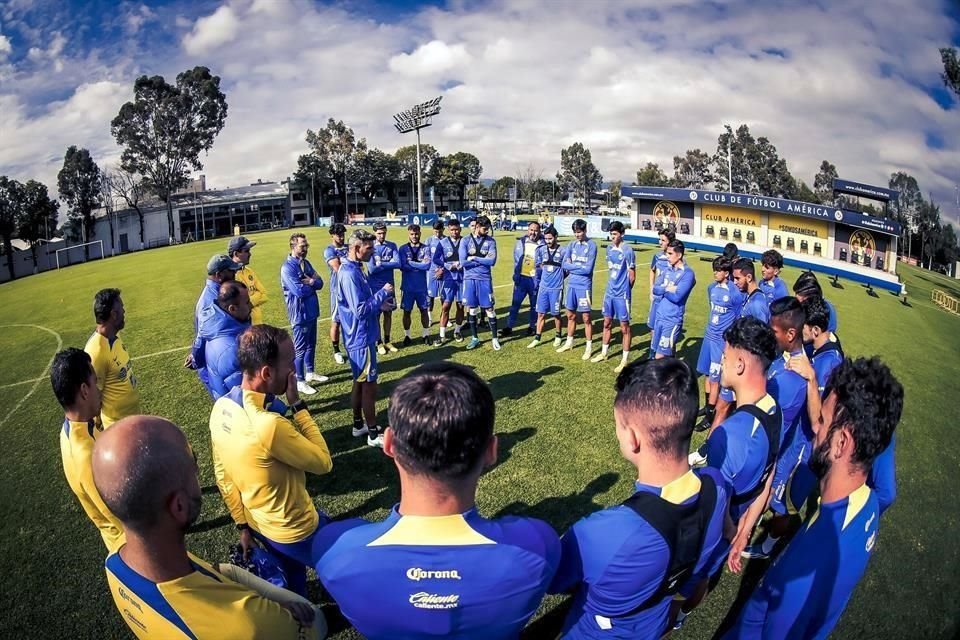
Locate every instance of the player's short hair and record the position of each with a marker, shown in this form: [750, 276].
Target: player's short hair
[103, 304]
[296, 236]
[453, 222]
[259, 346]
[360, 236]
[745, 266]
[869, 402]
[721, 263]
[753, 336]
[677, 246]
[617, 226]
[816, 312]
[771, 258]
[68, 371]
[442, 417]
[379, 226]
[667, 233]
[413, 227]
[579, 225]
[788, 313]
[730, 251]
[338, 229]
[534, 223]
[550, 230]
[438, 225]
[807, 285]
[483, 221]
[665, 392]
[229, 293]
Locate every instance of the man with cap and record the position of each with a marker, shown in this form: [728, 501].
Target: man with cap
[220, 269]
[239, 250]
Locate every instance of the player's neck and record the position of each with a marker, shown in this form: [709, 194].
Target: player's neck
[255, 384]
[656, 472]
[107, 331]
[821, 340]
[79, 414]
[161, 559]
[753, 286]
[421, 496]
[751, 388]
[840, 482]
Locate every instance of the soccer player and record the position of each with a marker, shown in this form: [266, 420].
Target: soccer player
[525, 277]
[624, 564]
[731, 252]
[260, 458]
[436, 567]
[75, 385]
[807, 286]
[385, 260]
[806, 590]
[549, 263]
[220, 269]
[216, 345]
[673, 286]
[300, 282]
[579, 259]
[334, 255]
[415, 262]
[449, 273]
[239, 251]
[478, 255]
[359, 308]
[755, 303]
[622, 269]
[771, 262]
[744, 446]
[115, 378]
[658, 264]
[433, 284]
[724, 300]
[147, 474]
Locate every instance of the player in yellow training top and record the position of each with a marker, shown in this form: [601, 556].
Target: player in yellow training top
[75, 385]
[147, 475]
[239, 251]
[115, 378]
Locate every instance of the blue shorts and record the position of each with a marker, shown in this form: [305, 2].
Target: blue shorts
[652, 318]
[433, 286]
[617, 308]
[449, 290]
[411, 298]
[727, 395]
[665, 335]
[548, 301]
[363, 364]
[708, 363]
[478, 293]
[794, 457]
[578, 299]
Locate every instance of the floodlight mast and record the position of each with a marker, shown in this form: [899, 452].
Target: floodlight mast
[414, 119]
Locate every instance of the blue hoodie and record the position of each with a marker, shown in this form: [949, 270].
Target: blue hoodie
[216, 347]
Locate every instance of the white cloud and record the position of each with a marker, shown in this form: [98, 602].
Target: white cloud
[212, 31]
[431, 59]
[5, 47]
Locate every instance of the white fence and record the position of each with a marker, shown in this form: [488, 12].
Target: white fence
[46, 259]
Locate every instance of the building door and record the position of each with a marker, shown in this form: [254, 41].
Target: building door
[124, 243]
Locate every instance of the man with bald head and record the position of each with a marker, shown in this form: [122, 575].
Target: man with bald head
[146, 473]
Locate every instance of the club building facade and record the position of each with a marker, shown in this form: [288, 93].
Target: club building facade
[823, 238]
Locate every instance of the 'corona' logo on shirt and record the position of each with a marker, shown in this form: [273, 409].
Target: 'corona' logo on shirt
[416, 574]
[424, 600]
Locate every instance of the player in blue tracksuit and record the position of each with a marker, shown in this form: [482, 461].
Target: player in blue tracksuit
[622, 270]
[216, 344]
[333, 255]
[525, 277]
[724, 300]
[549, 264]
[674, 286]
[384, 261]
[358, 308]
[658, 264]
[805, 591]
[449, 273]
[300, 283]
[771, 262]
[219, 270]
[578, 262]
[478, 254]
[415, 262]
[437, 568]
[433, 284]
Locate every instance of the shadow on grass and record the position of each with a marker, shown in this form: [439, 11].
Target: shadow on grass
[563, 511]
[209, 525]
[519, 384]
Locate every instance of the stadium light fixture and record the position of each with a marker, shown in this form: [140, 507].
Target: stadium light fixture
[414, 119]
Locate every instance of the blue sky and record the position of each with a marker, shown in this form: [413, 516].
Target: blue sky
[855, 82]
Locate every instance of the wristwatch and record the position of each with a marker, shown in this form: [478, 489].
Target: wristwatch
[242, 527]
[298, 406]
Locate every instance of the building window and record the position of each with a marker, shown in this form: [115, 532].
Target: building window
[299, 196]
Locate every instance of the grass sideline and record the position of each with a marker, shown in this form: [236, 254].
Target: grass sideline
[558, 457]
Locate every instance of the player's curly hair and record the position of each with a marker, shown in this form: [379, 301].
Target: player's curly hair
[817, 313]
[869, 403]
[807, 286]
[772, 258]
[338, 229]
[721, 263]
[753, 336]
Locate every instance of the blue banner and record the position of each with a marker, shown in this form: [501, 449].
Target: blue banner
[764, 203]
[868, 191]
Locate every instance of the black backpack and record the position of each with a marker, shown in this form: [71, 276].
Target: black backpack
[771, 423]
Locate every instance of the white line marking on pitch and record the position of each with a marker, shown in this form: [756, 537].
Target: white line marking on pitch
[46, 370]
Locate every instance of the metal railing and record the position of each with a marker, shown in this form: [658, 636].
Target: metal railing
[945, 302]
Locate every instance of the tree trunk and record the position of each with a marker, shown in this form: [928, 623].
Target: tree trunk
[113, 248]
[8, 247]
[170, 219]
[33, 253]
[140, 218]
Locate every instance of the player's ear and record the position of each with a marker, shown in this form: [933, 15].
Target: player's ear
[490, 457]
[388, 443]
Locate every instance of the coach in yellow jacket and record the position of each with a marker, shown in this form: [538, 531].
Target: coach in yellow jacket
[260, 458]
[239, 251]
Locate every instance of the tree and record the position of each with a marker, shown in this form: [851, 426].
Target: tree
[578, 173]
[316, 175]
[407, 157]
[804, 193]
[907, 205]
[614, 193]
[692, 170]
[451, 174]
[951, 69]
[166, 127]
[500, 189]
[108, 200]
[80, 183]
[928, 225]
[754, 165]
[130, 188]
[336, 147]
[376, 171]
[823, 182]
[11, 212]
[947, 250]
[652, 176]
[38, 216]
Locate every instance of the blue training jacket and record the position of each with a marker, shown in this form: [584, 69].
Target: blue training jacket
[216, 348]
[301, 299]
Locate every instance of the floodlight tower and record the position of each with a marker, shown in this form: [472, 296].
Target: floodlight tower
[414, 119]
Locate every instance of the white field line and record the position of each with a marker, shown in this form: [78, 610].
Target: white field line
[36, 381]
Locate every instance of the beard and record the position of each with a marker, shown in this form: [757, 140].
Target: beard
[820, 462]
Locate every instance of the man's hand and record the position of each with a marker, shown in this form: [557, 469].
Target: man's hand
[388, 288]
[800, 364]
[302, 612]
[293, 396]
[247, 542]
[734, 559]
[188, 362]
[438, 273]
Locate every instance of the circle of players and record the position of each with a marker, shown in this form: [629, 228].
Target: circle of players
[791, 420]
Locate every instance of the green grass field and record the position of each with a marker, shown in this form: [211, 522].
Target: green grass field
[558, 455]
